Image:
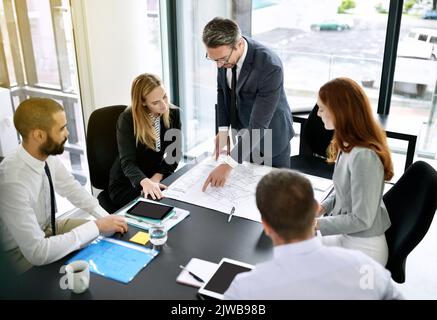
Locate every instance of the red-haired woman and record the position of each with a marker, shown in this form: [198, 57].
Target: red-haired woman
[354, 214]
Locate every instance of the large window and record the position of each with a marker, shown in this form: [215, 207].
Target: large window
[317, 43]
[314, 42]
[415, 81]
[154, 63]
[197, 83]
[39, 57]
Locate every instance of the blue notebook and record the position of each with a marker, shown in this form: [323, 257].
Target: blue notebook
[115, 259]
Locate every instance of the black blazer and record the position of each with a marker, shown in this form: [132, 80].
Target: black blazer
[136, 161]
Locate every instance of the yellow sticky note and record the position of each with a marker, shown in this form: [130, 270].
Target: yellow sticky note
[140, 237]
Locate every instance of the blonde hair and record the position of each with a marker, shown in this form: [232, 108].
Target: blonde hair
[354, 122]
[143, 125]
[35, 113]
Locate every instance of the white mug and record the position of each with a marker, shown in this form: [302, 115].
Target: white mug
[78, 276]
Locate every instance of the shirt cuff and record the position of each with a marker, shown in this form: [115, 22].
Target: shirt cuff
[87, 233]
[99, 212]
[231, 162]
[221, 129]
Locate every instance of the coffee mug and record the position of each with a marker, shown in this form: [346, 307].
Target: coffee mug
[78, 276]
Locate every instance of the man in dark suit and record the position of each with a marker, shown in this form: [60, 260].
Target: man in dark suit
[251, 96]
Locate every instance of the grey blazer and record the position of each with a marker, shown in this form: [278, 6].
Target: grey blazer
[261, 99]
[355, 207]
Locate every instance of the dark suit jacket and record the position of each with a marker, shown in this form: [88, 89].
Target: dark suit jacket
[136, 162]
[261, 99]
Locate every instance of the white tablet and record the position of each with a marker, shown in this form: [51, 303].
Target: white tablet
[222, 278]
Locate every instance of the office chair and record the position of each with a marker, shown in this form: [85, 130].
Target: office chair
[314, 141]
[411, 204]
[101, 145]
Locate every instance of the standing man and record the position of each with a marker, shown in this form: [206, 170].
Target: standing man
[250, 95]
[29, 231]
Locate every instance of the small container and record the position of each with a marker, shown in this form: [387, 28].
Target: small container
[158, 235]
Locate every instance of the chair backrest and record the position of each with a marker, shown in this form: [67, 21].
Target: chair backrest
[411, 204]
[314, 138]
[101, 143]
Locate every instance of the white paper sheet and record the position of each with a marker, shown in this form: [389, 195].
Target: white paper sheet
[238, 192]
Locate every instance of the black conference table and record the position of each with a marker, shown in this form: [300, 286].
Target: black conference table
[204, 234]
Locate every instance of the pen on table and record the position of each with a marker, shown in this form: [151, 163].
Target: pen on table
[231, 214]
[192, 274]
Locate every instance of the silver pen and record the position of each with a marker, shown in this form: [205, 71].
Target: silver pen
[231, 214]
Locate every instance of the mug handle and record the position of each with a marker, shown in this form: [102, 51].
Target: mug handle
[67, 283]
[64, 282]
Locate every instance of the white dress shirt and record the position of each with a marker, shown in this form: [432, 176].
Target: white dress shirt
[239, 65]
[310, 270]
[25, 208]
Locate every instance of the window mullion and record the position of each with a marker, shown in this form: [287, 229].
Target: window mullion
[62, 57]
[26, 42]
[11, 25]
[4, 74]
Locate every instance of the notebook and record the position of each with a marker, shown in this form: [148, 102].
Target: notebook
[201, 268]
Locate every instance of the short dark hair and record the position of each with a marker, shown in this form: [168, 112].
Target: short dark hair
[221, 31]
[285, 199]
[35, 113]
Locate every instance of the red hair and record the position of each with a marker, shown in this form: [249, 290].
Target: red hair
[354, 123]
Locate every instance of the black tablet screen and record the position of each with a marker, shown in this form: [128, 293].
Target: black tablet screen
[221, 280]
[149, 210]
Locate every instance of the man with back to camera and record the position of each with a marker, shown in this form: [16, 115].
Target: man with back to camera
[250, 95]
[28, 180]
[302, 267]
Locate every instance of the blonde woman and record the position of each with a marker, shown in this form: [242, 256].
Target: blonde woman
[145, 157]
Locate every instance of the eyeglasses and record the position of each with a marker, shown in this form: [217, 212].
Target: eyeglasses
[221, 61]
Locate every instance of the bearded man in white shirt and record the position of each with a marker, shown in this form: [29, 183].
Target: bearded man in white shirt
[26, 192]
[302, 267]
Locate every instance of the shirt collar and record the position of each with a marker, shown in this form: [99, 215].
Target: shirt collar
[31, 161]
[297, 248]
[243, 56]
[153, 117]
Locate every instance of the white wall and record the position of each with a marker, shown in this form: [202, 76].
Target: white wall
[111, 44]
